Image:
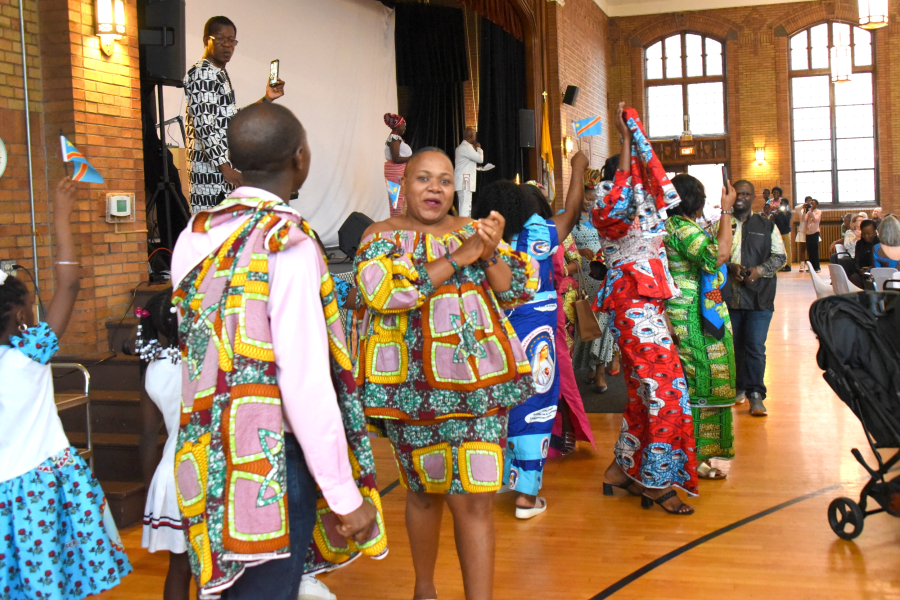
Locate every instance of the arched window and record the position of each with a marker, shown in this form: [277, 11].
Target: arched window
[833, 124]
[684, 76]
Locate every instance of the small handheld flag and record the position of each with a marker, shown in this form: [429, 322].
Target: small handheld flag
[589, 126]
[393, 192]
[83, 169]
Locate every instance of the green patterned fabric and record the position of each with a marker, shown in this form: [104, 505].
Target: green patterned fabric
[708, 362]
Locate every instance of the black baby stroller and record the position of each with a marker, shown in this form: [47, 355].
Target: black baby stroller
[859, 350]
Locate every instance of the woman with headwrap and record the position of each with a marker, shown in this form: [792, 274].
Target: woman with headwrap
[597, 354]
[655, 452]
[396, 155]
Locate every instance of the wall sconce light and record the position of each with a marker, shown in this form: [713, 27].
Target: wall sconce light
[841, 60]
[873, 13]
[760, 155]
[109, 26]
[568, 145]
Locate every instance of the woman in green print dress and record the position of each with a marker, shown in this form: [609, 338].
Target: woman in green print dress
[700, 319]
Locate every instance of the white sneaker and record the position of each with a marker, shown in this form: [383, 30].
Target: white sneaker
[313, 589]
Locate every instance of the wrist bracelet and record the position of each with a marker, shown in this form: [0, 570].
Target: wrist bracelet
[730, 211]
[453, 263]
[490, 262]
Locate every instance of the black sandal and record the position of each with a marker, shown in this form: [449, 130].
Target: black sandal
[647, 503]
[627, 486]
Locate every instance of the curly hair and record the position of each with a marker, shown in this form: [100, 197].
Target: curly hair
[543, 206]
[608, 172]
[508, 199]
[692, 193]
[13, 295]
[162, 322]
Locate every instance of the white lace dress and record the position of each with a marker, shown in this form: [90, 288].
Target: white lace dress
[162, 517]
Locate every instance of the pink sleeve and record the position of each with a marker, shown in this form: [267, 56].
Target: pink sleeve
[303, 372]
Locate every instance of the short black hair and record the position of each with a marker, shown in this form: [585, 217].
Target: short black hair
[692, 193]
[264, 137]
[543, 206]
[744, 182]
[217, 23]
[13, 295]
[868, 223]
[777, 188]
[608, 172]
[508, 199]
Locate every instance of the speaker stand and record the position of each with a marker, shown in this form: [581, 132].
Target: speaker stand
[165, 189]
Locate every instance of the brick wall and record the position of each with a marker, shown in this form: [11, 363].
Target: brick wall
[757, 80]
[94, 101]
[577, 48]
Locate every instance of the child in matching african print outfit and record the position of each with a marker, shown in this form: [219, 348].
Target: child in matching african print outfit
[59, 539]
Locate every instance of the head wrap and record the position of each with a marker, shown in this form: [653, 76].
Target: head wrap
[393, 121]
[592, 178]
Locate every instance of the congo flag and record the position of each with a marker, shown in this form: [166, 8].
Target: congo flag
[393, 192]
[83, 169]
[589, 126]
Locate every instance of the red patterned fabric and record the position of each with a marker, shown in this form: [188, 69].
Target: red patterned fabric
[656, 447]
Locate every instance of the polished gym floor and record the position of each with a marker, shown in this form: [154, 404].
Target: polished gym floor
[762, 533]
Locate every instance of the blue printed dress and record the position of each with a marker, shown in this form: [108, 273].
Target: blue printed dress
[531, 422]
[58, 538]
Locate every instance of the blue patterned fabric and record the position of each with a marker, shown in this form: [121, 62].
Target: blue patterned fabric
[540, 240]
[530, 423]
[342, 289]
[37, 343]
[59, 540]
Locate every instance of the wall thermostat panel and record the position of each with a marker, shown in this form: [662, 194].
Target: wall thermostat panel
[120, 207]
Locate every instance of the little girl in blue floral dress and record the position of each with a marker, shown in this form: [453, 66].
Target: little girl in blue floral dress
[58, 538]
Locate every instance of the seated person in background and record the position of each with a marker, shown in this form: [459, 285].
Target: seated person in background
[886, 253]
[864, 247]
[853, 235]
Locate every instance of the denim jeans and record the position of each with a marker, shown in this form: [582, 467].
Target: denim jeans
[751, 327]
[280, 579]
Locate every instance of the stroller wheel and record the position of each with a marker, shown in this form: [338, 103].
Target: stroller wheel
[846, 518]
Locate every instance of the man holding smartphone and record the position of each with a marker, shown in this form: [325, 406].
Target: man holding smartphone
[210, 106]
[757, 253]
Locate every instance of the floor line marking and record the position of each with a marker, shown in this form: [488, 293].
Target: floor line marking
[628, 579]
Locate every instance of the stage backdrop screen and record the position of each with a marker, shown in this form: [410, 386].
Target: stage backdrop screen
[337, 62]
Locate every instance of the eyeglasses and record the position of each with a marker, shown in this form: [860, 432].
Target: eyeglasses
[224, 41]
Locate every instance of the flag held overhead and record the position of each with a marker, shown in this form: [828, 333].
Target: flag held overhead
[589, 126]
[393, 192]
[83, 169]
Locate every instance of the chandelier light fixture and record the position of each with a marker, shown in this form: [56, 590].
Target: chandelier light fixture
[873, 13]
[841, 59]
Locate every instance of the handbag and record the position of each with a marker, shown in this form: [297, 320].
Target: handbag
[585, 322]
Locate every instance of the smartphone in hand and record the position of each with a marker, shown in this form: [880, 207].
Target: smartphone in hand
[725, 177]
[273, 72]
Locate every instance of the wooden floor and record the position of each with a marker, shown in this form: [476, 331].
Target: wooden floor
[585, 543]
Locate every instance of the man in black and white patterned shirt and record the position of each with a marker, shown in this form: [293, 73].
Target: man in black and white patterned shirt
[210, 106]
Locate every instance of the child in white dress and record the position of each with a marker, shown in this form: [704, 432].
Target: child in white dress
[157, 344]
[59, 539]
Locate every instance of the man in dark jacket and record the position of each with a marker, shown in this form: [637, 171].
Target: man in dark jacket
[757, 253]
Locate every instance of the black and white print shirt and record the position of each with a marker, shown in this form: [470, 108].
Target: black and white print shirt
[210, 106]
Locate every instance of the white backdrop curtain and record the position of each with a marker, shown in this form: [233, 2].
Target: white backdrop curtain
[337, 61]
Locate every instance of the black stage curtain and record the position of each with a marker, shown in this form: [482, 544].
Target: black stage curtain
[502, 94]
[432, 64]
